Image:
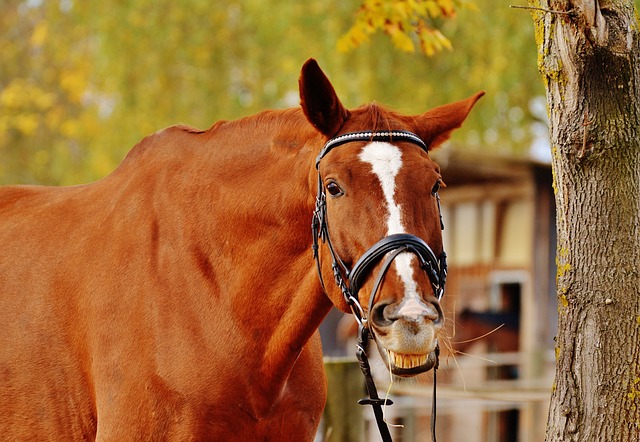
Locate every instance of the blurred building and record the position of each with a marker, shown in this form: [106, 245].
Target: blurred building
[500, 239]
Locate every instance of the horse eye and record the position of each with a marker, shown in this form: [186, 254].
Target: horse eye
[436, 187]
[334, 189]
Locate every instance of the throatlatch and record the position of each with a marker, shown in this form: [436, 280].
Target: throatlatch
[349, 281]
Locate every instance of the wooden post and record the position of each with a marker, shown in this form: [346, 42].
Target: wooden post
[343, 417]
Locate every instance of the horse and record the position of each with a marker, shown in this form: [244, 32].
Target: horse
[177, 298]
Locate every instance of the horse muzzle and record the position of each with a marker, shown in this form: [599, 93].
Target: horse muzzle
[406, 335]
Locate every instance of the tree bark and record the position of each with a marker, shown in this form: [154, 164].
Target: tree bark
[589, 59]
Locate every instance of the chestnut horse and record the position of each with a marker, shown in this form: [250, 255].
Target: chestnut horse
[178, 299]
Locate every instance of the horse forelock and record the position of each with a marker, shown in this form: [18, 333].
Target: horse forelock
[375, 117]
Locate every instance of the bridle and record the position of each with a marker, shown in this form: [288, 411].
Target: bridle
[349, 281]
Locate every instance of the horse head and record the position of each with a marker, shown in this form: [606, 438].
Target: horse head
[378, 217]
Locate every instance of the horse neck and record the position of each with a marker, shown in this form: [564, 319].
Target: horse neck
[280, 286]
[238, 212]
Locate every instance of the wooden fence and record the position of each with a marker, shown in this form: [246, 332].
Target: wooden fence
[478, 411]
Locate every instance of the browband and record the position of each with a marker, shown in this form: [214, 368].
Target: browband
[394, 135]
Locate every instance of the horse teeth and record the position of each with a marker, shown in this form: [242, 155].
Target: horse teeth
[407, 361]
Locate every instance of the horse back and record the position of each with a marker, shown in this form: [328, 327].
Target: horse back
[70, 255]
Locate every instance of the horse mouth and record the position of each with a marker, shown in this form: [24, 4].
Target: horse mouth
[407, 365]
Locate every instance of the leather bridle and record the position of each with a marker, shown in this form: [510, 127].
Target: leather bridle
[350, 281]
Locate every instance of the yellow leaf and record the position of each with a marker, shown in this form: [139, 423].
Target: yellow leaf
[39, 34]
[26, 123]
[344, 44]
[404, 21]
[16, 94]
[54, 118]
[401, 10]
[433, 9]
[400, 40]
[44, 101]
[74, 83]
[358, 34]
[444, 41]
[70, 128]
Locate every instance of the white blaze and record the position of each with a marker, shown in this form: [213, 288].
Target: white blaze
[386, 160]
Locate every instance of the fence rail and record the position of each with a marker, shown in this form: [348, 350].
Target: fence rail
[480, 411]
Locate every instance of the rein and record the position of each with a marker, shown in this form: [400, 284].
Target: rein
[349, 281]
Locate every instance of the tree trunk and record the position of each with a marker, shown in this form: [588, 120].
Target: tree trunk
[589, 59]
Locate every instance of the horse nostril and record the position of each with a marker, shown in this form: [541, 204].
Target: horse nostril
[385, 314]
[434, 310]
[380, 315]
[440, 319]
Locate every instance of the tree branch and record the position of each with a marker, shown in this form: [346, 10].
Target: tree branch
[551, 11]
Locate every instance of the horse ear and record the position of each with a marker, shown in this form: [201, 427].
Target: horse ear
[435, 126]
[319, 101]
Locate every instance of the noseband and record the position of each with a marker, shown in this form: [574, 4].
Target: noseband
[349, 281]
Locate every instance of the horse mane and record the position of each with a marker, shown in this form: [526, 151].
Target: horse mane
[265, 125]
[282, 128]
[277, 121]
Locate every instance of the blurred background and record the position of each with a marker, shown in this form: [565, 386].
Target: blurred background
[81, 82]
